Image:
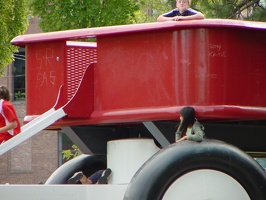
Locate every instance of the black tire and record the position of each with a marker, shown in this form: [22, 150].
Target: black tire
[154, 178]
[86, 163]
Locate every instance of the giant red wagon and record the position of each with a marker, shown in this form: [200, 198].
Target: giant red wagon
[132, 81]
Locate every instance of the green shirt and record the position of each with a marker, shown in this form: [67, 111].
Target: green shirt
[195, 133]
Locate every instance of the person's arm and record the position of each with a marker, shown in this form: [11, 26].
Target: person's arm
[183, 138]
[161, 18]
[198, 15]
[9, 126]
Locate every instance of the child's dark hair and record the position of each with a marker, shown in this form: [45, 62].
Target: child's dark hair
[4, 93]
[188, 114]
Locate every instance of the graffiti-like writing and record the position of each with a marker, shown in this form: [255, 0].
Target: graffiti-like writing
[46, 74]
[217, 51]
[185, 61]
[45, 78]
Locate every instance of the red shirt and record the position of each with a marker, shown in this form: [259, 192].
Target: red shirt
[7, 115]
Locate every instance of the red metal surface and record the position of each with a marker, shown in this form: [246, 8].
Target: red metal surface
[185, 67]
[51, 65]
[82, 103]
[220, 70]
[134, 28]
[150, 71]
[45, 68]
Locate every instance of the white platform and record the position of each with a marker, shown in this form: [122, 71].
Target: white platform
[62, 192]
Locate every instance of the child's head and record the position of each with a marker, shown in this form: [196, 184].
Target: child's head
[187, 118]
[188, 115]
[4, 93]
[183, 5]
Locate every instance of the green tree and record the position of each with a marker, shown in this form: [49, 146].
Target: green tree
[72, 14]
[233, 9]
[13, 22]
[151, 9]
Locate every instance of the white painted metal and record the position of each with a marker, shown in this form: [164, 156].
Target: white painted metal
[206, 184]
[62, 192]
[126, 156]
[32, 128]
[39, 118]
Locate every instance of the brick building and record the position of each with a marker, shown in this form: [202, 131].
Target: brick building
[34, 160]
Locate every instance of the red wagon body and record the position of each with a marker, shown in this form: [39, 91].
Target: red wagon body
[149, 71]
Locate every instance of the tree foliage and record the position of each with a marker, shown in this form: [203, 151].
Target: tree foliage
[72, 14]
[71, 153]
[13, 22]
[254, 10]
[151, 9]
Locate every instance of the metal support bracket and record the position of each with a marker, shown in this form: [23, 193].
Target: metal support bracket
[157, 134]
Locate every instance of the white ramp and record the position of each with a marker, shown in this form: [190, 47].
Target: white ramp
[33, 127]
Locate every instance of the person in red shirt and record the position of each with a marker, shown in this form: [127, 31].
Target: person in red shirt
[9, 123]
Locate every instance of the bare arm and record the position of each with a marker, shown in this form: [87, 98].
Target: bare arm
[9, 126]
[181, 139]
[161, 18]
